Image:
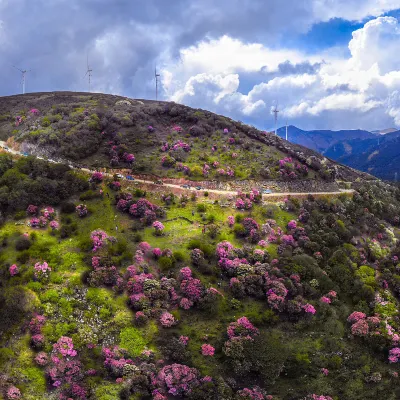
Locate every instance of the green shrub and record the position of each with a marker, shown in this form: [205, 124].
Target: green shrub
[178, 256]
[201, 207]
[238, 218]
[20, 215]
[165, 263]
[22, 243]
[67, 207]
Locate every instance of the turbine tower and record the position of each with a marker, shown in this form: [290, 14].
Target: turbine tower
[23, 72]
[156, 76]
[286, 130]
[88, 71]
[275, 111]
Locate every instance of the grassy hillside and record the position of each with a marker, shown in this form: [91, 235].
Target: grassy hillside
[109, 290]
[159, 138]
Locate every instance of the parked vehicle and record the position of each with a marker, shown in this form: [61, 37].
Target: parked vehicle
[130, 178]
[267, 191]
[198, 187]
[119, 176]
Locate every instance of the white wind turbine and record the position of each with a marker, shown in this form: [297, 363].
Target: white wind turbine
[88, 71]
[23, 72]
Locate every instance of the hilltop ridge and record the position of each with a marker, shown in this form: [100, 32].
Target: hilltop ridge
[164, 138]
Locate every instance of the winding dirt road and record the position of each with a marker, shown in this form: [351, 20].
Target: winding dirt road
[6, 148]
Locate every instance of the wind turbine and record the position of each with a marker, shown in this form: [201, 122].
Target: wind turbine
[276, 111]
[23, 71]
[88, 71]
[156, 76]
[286, 130]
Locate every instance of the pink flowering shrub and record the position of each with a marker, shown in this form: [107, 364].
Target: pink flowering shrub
[292, 224]
[192, 289]
[207, 350]
[41, 359]
[185, 303]
[13, 393]
[185, 273]
[37, 341]
[114, 360]
[167, 320]
[81, 210]
[64, 367]
[309, 309]
[178, 380]
[157, 252]
[36, 323]
[394, 355]
[34, 111]
[13, 270]
[128, 157]
[325, 299]
[42, 271]
[231, 221]
[32, 210]
[325, 371]
[97, 177]
[158, 228]
[177, 128]
[360, 328]
[251, 394]
[184, 340]
[99, 238]
[54, 225]
[115, 185]
[242, 328]
[355, 317]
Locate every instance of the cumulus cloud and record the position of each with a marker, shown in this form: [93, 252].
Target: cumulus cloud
[311, 90]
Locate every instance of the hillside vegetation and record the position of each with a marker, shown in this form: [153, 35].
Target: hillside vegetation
[163, 139]
[110, 291]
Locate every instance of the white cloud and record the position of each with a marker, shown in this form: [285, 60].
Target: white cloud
[352, 9]
[364, 88]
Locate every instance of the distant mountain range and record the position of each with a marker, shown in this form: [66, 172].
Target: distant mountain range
[376, 152]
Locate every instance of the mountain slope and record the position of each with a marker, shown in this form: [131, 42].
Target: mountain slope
[166, 139]
[381, 160]
[321, 140]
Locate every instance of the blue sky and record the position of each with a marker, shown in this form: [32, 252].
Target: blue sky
[330, 64]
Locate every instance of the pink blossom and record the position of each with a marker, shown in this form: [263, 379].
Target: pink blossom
[309, 309]
[231, 220]
[13, 393]
[325, 299]
[185, 303]
[158, 226]
[42, 271]
[97, 177]
[167, 319]
[157, 252]
[14, 270]
[185, 273]
[243, 328]
[184, 340]
[54, 225]
[207, 350]
[394, 355]
[292, 224]
[325, 371]
[360, 328]
[356, 316]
